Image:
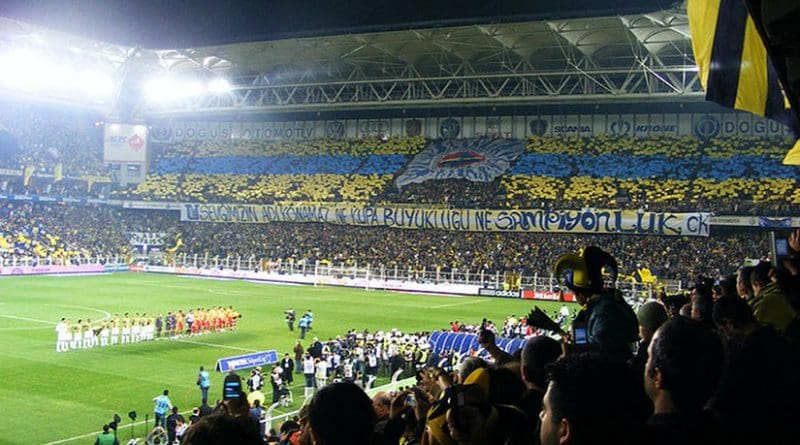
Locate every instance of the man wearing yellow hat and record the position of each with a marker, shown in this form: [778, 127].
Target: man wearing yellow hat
[606, 323]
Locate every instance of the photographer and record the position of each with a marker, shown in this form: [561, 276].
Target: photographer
[107, 437]
[606, 323]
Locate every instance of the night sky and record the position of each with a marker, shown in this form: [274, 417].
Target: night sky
[184, 23]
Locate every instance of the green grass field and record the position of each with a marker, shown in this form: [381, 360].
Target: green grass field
[61, 398]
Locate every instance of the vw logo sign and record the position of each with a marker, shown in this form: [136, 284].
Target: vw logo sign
[538, 127]
[620, 128]
[335, 130]
[707, 127]
[449, 128]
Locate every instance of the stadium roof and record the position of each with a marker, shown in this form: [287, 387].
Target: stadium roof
[618, 57]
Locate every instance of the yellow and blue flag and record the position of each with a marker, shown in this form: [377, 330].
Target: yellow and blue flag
[735, 68]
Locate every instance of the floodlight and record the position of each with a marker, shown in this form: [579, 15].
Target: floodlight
[189, 88]
[95, 83]
[159, 89]
[219, 86]
[167, 89]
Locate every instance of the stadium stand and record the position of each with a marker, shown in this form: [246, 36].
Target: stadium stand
[98, 231]
[725, 175]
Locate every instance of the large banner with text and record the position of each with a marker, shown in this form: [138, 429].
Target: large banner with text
[467, 220]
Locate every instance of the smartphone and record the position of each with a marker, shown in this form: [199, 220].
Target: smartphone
[779, 249]
[410, 400]
[232, 390]
[579, 336]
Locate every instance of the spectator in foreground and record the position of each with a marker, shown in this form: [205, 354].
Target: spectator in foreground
[609, 322]
[592, 399]
[341, 414]
[537, 353]
[222, 429]
[173, 420]
[770, 305]
[758, 393]
[684, 364]
[651, 316]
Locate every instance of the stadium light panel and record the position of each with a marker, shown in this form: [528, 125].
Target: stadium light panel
[168, 89]
[96, 84]
[23, 70]
[219, 86]
[159, 89]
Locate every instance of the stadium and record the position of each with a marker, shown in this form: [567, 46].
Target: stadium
[440, 212]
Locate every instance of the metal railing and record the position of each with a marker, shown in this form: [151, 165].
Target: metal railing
[367, 271]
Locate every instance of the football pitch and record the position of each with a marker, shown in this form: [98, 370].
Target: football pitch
[64, 398]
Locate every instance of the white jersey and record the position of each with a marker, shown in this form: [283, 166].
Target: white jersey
[322, 369]
[308, 366]
[62, 330]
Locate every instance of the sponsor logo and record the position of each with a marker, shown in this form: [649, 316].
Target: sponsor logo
[136, 142]
[460, 159]
[538, 127]
[620, 128]
[192, 212]
[374, 127]
[413, 127]
[449, 128]
[707, 127]
[486, 292]
[571, 129]
[335, 130]
[161, 133]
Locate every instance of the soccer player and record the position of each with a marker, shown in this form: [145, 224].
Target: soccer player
[104, 333]
[189, 322]
[126, 329]
[136, 328]
[179, 317]
[77, 335]
[115, 330]
[88, 334]
[149, 328]
[62, 335]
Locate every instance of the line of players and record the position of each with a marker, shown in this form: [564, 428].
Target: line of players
[84, 334]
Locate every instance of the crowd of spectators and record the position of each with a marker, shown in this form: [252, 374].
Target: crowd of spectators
[93, 230]
[31, 136]
[723, 175]
[740, 175]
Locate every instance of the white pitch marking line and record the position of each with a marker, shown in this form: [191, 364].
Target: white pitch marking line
[36, 320]
[460, 303]
[236, 348]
